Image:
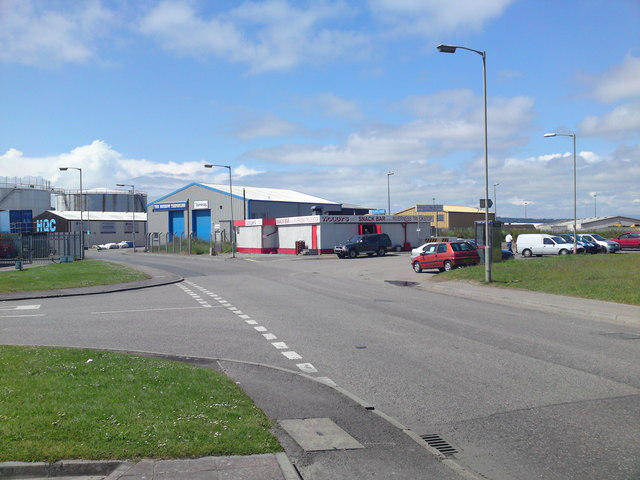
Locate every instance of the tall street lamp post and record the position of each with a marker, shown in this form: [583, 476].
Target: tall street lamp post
[389, 173]
[64, 169]
[233, 233]
[133, 209]
[487, 236]
[595, 205]
[575, 195]
[525, 209]
[495, 202]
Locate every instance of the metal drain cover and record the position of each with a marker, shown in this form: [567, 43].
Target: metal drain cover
[401, 283]
[436, 441]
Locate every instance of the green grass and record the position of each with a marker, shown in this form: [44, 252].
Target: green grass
[614, 278]
[60, 403]
[85, 273]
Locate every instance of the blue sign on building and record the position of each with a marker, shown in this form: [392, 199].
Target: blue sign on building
[169, 206]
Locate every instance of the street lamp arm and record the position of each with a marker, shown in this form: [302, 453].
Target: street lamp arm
[453, 48]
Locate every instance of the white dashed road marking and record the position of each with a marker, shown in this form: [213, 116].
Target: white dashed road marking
[291, 355]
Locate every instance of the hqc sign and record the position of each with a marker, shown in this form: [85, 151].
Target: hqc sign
[46, 225]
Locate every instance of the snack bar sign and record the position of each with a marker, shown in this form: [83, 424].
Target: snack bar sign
[169, 206]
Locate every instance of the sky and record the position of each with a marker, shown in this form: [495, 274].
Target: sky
[327, 97]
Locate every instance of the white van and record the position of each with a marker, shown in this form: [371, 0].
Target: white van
[529, 244]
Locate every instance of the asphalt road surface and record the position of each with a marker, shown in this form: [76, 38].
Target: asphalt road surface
[520, 393]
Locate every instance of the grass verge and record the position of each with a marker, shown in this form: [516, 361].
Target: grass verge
[85, 273]
[61, 403]
[614, 278]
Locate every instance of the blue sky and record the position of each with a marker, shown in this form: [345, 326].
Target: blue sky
[326, 97]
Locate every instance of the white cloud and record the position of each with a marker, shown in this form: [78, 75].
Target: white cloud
[429, 18]
[453, 122]
[268, 36]
[32, 35]
[620, 82]
[267, 126]
[331, 105]
[623, 120]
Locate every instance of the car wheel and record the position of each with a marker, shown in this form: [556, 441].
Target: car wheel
[526, 253]
[564, 252]
[448, 266]
[353, 253]
[382, 252]
[416, 267]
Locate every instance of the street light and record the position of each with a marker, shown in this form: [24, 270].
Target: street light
[389, 173]
[595, 205]
[64, 169]
[487, 236]
[525, 209]
[233, 235]
[495, 202]
[575, 199]
[133, 194]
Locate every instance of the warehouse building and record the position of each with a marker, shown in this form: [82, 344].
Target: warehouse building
[450, 217]
[99, 227]
[205, 208]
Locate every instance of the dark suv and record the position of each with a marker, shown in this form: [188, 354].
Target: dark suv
[369, 243]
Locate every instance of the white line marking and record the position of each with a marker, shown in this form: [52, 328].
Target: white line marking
[251, 322]
[280, 345]
[27, 307]
[147, 310]
[19, 316]
[269, 336]
[233, 309]
[260, 329]
[244, 317]
[292, 355]
[307, 368]
[237, 312]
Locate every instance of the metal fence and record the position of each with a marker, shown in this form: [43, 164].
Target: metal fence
[39, 247]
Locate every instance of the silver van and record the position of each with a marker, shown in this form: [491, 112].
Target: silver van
[528, 244]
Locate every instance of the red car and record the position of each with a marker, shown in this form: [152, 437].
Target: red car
[445, 256]
[628, 240]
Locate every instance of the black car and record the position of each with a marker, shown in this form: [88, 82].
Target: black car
[369, 243]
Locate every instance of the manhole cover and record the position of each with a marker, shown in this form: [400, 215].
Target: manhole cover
[401, 283]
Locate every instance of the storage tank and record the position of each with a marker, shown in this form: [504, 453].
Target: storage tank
[102, 200]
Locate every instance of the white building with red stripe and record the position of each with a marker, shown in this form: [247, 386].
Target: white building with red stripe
[320, 233]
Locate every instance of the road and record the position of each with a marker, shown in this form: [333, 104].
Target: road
[520, 392]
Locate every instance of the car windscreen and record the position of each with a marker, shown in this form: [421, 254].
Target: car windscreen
[462, 247]
[597, 237]
[559, 239]
[354, 239]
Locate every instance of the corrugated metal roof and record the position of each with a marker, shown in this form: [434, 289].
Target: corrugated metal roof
[446, 208]
[103, 216]
[269, 194]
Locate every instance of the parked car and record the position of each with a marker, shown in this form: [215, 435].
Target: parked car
[589, 247]
[628, 240]
[446, 256]
[579, 245]
[418, 250]
[606, 246]
[123, 244]
[369, 243]
[539, 244]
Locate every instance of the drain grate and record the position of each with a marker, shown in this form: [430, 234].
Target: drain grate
[436, 441]
[401, 283]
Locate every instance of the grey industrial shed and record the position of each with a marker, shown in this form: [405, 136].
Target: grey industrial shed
[200, 208]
